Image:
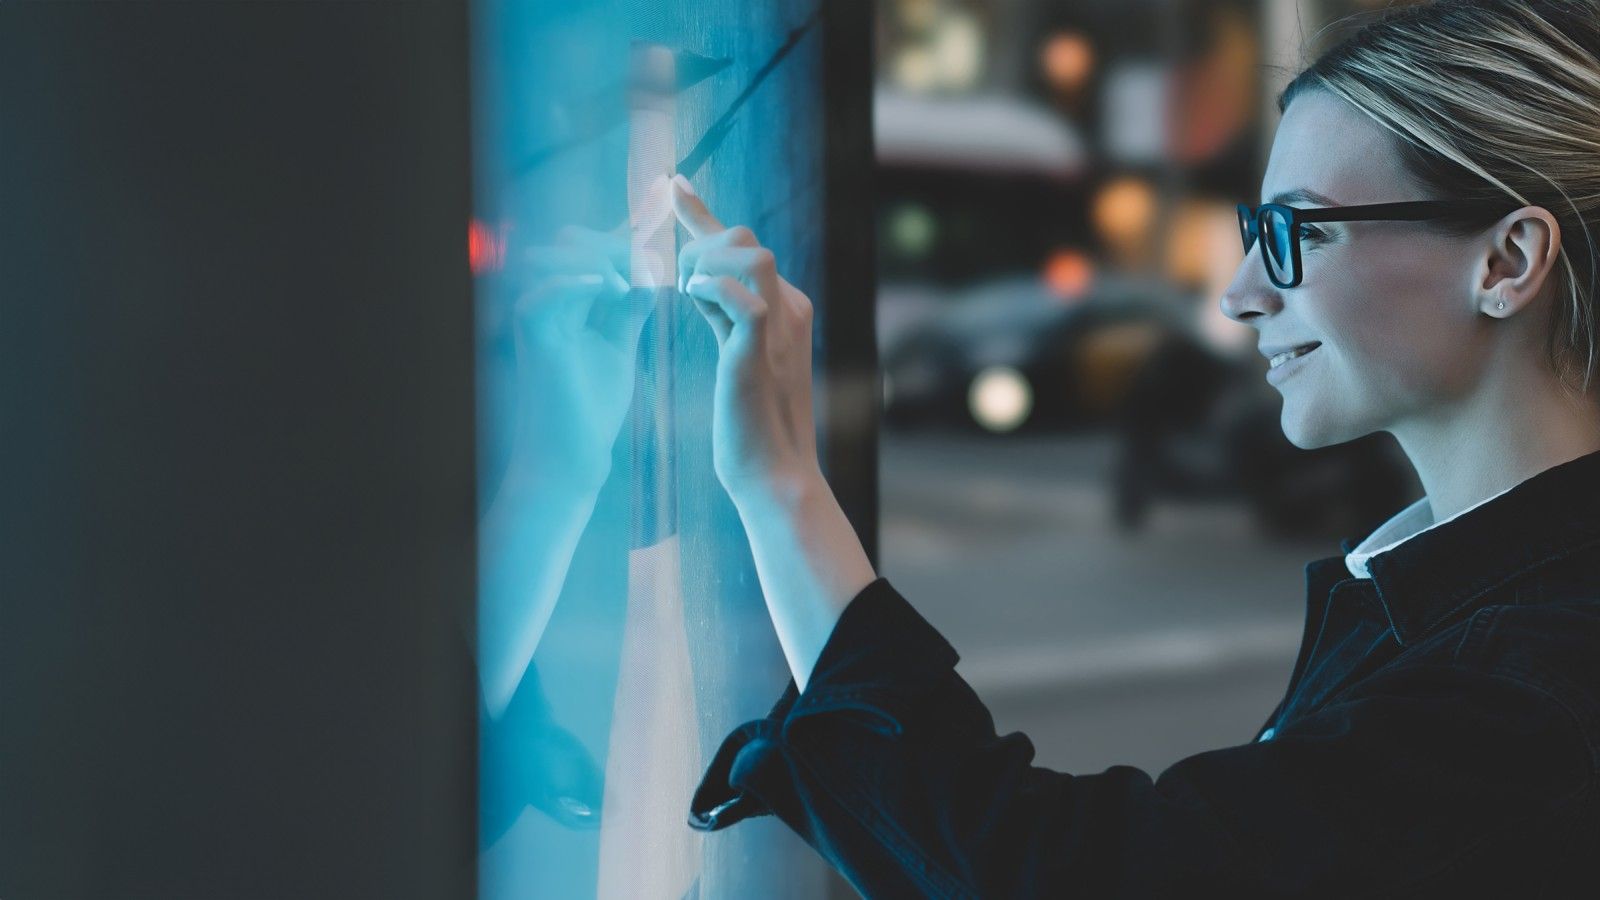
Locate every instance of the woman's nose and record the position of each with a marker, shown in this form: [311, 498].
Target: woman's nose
[1250, 293]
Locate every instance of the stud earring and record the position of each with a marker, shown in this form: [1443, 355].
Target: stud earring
[1500, 305]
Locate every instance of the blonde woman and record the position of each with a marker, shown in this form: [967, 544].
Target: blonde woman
[1421, 263]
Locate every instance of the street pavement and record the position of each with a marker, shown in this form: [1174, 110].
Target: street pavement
[1104, 648]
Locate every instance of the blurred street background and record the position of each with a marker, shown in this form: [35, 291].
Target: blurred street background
[1084, 482]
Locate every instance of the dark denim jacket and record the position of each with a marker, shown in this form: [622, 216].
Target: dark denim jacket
[1438, 738]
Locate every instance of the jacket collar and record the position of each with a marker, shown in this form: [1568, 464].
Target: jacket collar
[1442, 571]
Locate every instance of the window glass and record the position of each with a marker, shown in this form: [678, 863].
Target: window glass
[622, 632]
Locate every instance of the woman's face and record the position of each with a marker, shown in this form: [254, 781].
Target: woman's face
[1392, 302]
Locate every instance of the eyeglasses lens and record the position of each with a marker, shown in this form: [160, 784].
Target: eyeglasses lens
[1277, 237]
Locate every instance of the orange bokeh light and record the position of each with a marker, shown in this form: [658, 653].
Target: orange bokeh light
[1067, 59]
[1068, 273]
[1124, 209]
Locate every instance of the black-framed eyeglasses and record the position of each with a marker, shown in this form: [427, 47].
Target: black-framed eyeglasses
[1281, 225]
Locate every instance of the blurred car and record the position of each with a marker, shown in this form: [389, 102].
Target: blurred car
[1016, 353]
[1197, 426]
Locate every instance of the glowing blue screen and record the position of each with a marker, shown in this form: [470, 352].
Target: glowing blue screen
[621, 629]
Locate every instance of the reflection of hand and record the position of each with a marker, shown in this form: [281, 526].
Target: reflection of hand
[576, 331]
[569, 786]
[763, 435]
[528, 759]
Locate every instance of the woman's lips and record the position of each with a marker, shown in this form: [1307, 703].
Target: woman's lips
[1278, 373]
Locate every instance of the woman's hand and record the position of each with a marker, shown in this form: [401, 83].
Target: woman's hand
[763, 432]
[809, 560]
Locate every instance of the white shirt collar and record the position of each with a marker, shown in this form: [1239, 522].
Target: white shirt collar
[1401, 527]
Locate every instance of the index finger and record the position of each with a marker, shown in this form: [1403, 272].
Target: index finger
[691, 211]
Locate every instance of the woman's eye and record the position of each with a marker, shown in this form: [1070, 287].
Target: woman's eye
[1309, 233]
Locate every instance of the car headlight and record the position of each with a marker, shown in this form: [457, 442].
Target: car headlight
[1000, 398]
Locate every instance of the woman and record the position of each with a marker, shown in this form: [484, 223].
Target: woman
[1441, 731]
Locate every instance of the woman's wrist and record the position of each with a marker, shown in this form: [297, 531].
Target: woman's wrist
[809, 559]
[780, 492]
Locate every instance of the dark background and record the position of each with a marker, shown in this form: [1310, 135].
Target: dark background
[236, 553]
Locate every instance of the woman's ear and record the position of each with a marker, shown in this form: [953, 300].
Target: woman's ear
[1521, 251]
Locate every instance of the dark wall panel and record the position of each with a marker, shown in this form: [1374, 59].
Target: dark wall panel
[236, 524]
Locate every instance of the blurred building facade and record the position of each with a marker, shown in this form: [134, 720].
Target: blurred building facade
[1114, 132]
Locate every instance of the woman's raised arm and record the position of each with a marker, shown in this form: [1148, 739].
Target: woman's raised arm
[806, 553]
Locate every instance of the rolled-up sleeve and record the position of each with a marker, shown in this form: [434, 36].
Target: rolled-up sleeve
[889, 766]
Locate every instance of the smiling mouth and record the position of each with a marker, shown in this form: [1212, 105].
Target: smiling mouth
[1287, 355]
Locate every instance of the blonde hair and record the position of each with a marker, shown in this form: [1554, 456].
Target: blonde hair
[1493, 100]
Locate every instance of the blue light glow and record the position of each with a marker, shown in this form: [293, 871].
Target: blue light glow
[621, 627]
